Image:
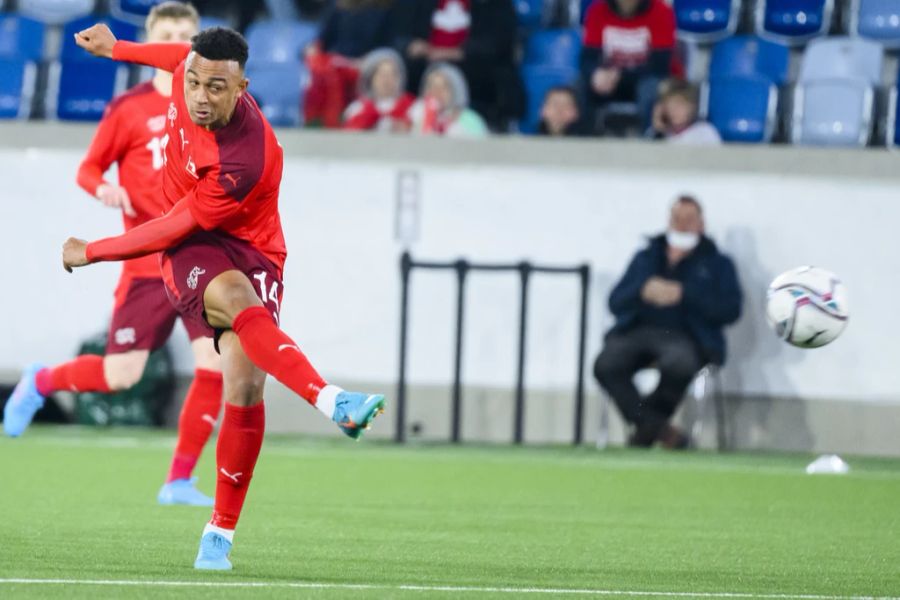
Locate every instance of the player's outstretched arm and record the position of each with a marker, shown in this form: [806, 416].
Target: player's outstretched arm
[153, 236]
[100, 41]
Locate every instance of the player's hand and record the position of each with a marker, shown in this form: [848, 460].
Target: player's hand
[74, 254]
[98, 40]
[115, 196]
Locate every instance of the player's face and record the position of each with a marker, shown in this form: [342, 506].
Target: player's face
[172, 30]
[686, 218]
[212, 89]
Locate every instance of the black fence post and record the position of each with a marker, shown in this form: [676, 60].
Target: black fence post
[585, 275]
[405, 271]
[519, 413]
[462, 269]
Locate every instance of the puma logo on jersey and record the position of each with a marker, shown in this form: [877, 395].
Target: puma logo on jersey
[231, 179]
[234, 477]
[194, 277]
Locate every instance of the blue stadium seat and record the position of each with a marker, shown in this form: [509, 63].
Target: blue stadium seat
[750, 56]
[530, 13]
[207, 22]
[553, 48]
[743, 109]
[793, 22]
[280, 42]
[842, 58]
[877, 20]
[81, 89]
[278, 88]
[70, 50]
[892, 134]
[585, 5]
[55, 12]
[132, 11]
[21, 37]
[17, 81]
[538, 80]
[833, 113]
[706, 20]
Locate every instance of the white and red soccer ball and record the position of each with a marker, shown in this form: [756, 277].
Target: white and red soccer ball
[807, 307]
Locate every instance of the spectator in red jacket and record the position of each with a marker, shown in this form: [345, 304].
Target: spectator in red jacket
[383, 103]
[628, 46]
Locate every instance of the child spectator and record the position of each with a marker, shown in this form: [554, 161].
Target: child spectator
[350, 30]
[559, 114]
[675, 116]
[383, 103]
[443, 108]
[628, 47]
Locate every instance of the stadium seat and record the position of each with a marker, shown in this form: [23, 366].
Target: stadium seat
[559, 48]
[833, 112]
[280, 42]
[742, 108]
[80, 89]
[793, 22]
[750, 56]
[17, 81]
[132, 11]
[55, 12]
[842, 58]
[21, 37]
[538, 80]
[530, 13]
[877, 20]
[706, 20]
[70, 50]
[278, 88]
[207, 22]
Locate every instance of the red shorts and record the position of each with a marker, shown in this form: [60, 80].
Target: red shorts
[144, 317]
[188, 269]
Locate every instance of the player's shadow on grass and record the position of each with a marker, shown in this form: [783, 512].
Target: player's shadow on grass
[755, 378]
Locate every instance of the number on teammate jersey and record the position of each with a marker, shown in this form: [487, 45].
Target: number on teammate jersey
[268, 294]
[157, 147]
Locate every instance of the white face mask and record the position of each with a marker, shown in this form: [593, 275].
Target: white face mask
[682, 240]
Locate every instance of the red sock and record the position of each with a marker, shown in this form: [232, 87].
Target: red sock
[198, 418]
[84, 374]
[277, 354]
[240, 439]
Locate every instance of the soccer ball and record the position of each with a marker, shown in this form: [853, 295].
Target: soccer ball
[807, 307]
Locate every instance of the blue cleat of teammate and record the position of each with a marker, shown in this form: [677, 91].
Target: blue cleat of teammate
[23, 403]
[354, 412]
[183, 491]
[213, 554]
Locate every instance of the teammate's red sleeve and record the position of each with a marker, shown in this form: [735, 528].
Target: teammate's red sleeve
[153, 236]
[108, 145]
[162, 56]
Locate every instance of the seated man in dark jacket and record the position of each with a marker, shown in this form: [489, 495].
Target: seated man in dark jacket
[670, 307]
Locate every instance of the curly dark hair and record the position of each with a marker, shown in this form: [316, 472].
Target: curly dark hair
[221, 43]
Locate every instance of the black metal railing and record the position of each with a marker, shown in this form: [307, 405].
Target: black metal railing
[462, 268]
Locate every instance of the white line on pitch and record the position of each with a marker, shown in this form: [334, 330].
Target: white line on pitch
[433, 588]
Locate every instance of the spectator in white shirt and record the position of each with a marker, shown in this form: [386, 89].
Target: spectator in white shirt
[675, 116]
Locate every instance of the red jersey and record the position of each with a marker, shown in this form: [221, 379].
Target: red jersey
[229, 177]
[450, 23]
[131, 134]
[627, 43]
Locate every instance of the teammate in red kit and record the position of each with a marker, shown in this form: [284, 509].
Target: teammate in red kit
[130, 135]
[224, 252]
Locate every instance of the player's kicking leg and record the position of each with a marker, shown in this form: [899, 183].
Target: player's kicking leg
[199, 414]
[231, 302]
[240, 439]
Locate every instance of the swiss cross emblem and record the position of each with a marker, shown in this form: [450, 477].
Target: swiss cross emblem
[173, 114]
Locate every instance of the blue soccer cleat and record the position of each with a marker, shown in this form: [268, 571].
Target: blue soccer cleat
[213, 554]
[183, 491]
[355, 412]
[23, 403]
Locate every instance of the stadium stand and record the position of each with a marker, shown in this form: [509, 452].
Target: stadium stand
[131, 11]
[705, 21]
[793, 22]
[279, 42]
[877, 20]
[55, 12]
[277, 87]
[834, 96]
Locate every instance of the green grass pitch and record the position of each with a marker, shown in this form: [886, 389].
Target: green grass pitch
[336, 519]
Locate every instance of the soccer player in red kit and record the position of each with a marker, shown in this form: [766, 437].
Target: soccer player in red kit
[130, 134]
[224, 253]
